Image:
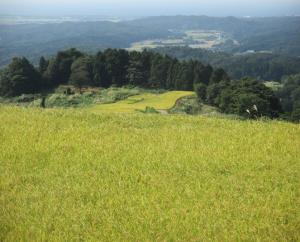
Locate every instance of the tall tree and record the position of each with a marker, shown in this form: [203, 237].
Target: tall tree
[101, 75]
[116, 63]
[82, 72]
[219, 75]
[171, 77]
[43, 64]
[135, 73]
[59, 68]
[159, 71]
[202, 73]
[19, 78]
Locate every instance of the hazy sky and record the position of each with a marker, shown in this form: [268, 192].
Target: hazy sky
[151, 7]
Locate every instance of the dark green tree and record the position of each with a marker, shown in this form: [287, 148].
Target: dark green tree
[135, 73]
[6, 88]
[82, 72]
[43, 64]
[219, 75]
[101, 75]
[213, 92]
[295, 115]
[59, 68]
[19, 78]
[51, 74]
[202, 73]
[116, 63]
[159, 71]
[251, 105]
[186, 76]
[200, 89]
[171, 75]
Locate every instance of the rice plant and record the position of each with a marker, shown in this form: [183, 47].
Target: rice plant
[72, 175]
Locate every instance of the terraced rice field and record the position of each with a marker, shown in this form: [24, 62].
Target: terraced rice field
[140, 102]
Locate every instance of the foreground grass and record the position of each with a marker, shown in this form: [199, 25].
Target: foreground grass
[140, 102]
[69, 175]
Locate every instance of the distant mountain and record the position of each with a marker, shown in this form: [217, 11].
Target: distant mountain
[276, 34]
[279, 35]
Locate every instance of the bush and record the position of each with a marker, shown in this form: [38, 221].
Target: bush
[239, 97]
[149, 110]
[200, 89]
[25, 98]
[296, 113]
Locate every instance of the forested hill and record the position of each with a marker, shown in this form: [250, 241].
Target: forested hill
[118, 67]
[279, 35]
[113, 67]
[264, 66]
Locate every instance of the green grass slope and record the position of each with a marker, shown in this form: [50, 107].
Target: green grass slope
[70, 175]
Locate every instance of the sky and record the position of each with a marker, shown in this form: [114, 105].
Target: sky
[136, 8]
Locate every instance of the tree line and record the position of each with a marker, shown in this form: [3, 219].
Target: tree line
[252, 99]
[263, 66]
[118, 67]
[115, 67]
[289, 96]
[245, 97]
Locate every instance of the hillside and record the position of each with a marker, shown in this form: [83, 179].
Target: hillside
[140, 102]
[22, 82]
[262, 65]
[73, 175]
[279, 35]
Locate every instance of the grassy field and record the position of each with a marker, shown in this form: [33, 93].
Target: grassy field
[71, 175]
[140, 102]
[192, 38]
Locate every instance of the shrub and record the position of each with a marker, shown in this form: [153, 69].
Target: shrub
[200, 90]
[149, 110]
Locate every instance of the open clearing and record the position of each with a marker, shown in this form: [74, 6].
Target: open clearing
[140, 102]
[71, 175]
[192, 38]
